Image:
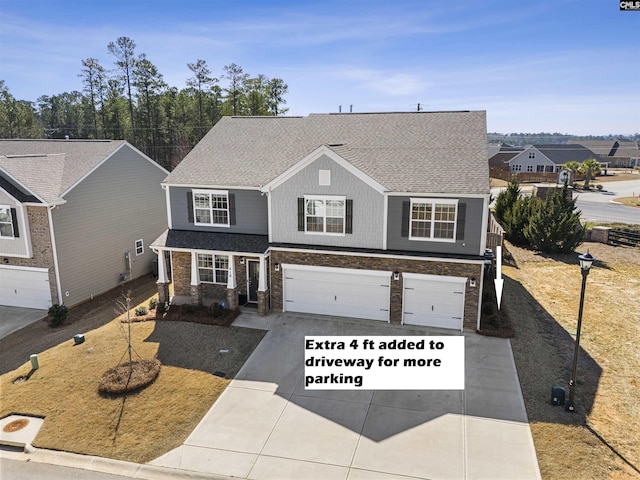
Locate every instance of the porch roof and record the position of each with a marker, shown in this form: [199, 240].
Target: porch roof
[212, 241]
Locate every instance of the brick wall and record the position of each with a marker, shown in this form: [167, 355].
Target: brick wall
[472, 294]
[42, 249]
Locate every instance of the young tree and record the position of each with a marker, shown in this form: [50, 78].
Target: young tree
[590, 168]
[554, 226]
[124, 52]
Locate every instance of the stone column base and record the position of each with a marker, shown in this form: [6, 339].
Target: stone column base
[163, 294]
[263, 303]
[196, 295]
[232, 298]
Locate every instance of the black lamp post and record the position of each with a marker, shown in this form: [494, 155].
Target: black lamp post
[586, 261]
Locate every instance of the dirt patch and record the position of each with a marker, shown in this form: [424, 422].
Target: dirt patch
[602, 438]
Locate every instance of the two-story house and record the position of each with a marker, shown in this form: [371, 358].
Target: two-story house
[76, 219]
[379, 216]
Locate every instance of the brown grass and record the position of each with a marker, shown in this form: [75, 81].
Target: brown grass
[138, 426]
[602, 439]
[628, 201]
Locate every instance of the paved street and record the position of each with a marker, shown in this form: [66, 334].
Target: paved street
[599, 206]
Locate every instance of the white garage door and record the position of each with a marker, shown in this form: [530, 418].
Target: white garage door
[336, 291]
[433, 300]
[24, 287]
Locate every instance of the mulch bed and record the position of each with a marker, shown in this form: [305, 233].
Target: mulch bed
[186, 313]
[125, 378]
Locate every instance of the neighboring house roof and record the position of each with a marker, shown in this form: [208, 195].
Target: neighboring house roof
[621, 148]
[601, 147]
[561, 154]
[506, 153]
[439, 152]
[48, 168]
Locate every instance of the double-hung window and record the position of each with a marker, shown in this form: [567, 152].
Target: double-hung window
[6, 222]
[433, 219]
[324, 214]
[211, 207]
[213, 268]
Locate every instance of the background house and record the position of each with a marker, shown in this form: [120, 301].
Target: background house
[617, 153]
[378, 216]
[76, 218]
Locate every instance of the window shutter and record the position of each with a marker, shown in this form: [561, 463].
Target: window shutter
[190, 206]
[14, 220]
[348, 221]
[462, 213]
[301, 214]
[406, 213]
[232, 209]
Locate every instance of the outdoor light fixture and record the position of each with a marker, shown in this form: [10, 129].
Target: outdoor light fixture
[396, 275]
[241, 260]
[472, 282]
[276, 267]
[586, 261]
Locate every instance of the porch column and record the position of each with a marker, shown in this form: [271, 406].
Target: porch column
[196, 294]
[232, 290]
[163, 285]
[263, 294]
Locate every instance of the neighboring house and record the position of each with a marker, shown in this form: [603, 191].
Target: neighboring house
[378, 216]
[76, 218]
[549, 158]
[503, 155]
[617, 153]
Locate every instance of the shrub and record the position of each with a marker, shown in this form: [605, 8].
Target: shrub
[216, 310]
[506, 199]
[141, 311]
[187, 308]
[599, 186]
[57, 314]
[153, 303]
[517, 218]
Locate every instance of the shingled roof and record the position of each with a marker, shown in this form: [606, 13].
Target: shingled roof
[49, 167]
[435, 152]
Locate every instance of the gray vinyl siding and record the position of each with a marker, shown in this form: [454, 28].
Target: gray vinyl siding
[469, 245]
[524, 161]
[368, 205]
[251, 212]
[14, 246]
[120, 202]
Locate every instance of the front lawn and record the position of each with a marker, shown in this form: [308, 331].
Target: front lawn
[198, 362]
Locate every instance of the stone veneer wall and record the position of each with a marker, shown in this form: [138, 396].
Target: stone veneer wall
[181, 273]
[472, 294]
[42, 248]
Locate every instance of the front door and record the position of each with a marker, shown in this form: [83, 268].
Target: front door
[253, 276]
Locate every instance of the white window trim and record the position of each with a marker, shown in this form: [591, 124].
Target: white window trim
[213, 268]
[141, 247]
[324, 198]
[13, 233]
[434, 202]
[211, 209]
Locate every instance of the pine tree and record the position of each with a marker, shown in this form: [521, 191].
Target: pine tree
[506, 199]
[517, 218]
[554, 226]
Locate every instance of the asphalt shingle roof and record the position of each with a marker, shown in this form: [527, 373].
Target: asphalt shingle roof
[561, 154]
[435, 152]
[49, 167]
[225, 242]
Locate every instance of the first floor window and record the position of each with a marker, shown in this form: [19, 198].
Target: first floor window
[529, 168]
[6, 222]
[213, 268]
[516, 168]
[433, 219]
[211, 207]
[324, 215]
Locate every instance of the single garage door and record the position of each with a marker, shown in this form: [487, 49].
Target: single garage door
[24, 287]
[433, 300]
[336, 291]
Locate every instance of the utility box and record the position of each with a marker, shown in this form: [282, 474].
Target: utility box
[557, 395]
[78, 339]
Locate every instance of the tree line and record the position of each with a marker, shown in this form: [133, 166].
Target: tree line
[132, 101]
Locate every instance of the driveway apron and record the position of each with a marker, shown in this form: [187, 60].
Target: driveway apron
[265, 425]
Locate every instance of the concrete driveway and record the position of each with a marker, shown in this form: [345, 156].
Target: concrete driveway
[265, 425]
[15, 318]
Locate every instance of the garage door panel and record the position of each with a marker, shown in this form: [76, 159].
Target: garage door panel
[338, 292]
[26, 287]
[434, 302]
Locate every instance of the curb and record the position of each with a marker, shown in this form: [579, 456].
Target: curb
[105, 465]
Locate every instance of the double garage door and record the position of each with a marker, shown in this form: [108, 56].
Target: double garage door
[24, 287]
[428, 300]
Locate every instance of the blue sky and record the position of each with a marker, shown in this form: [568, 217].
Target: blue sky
[568, 66]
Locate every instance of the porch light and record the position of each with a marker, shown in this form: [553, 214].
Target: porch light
[396, 275]
[241, 260]
[276, 267]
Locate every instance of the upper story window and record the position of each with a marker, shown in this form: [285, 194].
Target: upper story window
[213, 268]
[8, 222]
[433, 219]
[324, 215]
[211, 207]
[532, 154]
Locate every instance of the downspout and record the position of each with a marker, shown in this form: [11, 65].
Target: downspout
[54, 250]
